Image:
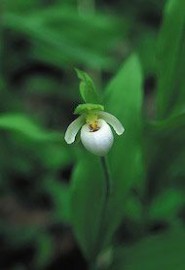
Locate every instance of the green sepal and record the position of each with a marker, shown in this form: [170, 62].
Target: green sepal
[87, 88]
[87, 108]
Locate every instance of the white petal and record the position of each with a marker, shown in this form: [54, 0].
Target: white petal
[97, 142]
[113, 121]
[73, 129]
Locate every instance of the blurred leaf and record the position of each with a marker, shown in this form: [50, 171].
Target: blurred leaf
[105, 258]
[21, 5]
[1, 84]
[60, 194]
[124, 100]
[55, 156]
[24, 125]
[147, 52]
[18, 235]
[166, 206]
[87, 87]
[61, 36]
[44, 251]
[171, 56]
[166, 126]
[155, 252]
[165, 153]
[133, 209]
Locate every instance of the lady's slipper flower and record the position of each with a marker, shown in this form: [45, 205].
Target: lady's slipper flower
[96, 134]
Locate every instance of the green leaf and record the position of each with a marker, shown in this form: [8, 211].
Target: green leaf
[124, 99]
[60, 36]
[87, 87]
[87, 196]
[60, 194]
[166, 206]
[167, 167]
[85, 108]
[164, 251]
[24, 125]
[21, 6]
[171, 56]
[44, 250]
[166, 126]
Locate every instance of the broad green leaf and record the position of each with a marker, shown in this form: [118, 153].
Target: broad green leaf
[87, 197]
[171, 58]
[147, 52]
[87, 87]
[165, 251]
[24, 125]
[124, 99]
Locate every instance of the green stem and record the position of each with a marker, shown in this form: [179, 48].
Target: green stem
[107, 175]
[108, 188]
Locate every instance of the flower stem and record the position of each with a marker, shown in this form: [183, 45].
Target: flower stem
[107, 175]
[108, 189]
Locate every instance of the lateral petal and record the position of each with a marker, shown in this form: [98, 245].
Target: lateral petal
[113, 121]
[73, 129]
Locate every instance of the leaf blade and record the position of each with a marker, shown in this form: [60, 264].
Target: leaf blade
[87, 87]
[171, 62]
[164, 251]
[124, 99]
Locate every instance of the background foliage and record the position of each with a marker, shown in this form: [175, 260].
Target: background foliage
[51, 193]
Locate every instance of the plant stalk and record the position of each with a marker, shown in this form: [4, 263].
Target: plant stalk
[107, 176]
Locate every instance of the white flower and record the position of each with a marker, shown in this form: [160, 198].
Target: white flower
[96, 134]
